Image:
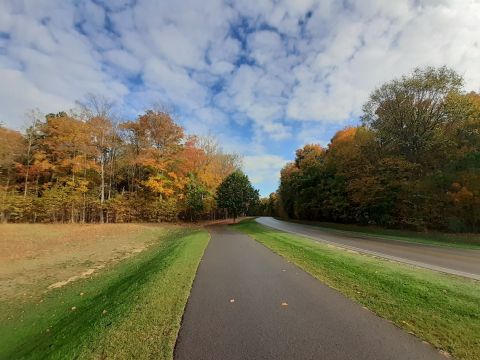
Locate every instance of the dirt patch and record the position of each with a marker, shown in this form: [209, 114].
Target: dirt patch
[83, 275]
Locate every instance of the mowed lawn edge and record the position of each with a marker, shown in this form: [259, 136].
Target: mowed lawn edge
[441, 309]
[131, 310]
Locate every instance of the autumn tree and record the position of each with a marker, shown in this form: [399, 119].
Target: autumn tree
[413, 163]
[30, 139]
[11, 149]
[410, 115]
[97, 112]
[82, 166]
[204, 160]
[268, 205]
[12, 146]
[66, 141]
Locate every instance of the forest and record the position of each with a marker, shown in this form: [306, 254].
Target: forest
[413, 162]
[85, 167]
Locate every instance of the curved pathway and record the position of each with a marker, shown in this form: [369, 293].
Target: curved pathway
[249, 303]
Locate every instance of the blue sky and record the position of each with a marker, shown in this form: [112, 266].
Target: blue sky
[264, 77]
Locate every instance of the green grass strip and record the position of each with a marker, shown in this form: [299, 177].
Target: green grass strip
[132, 310]
[441, 309]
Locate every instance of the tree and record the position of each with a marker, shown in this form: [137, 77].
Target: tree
[31, 136]
[68, 144]
[411, 114]
[97, 112]
[11, 148]
[102, 136]
[236, 194]
[268, 205]
[62, 167]
[415, 162]
[196, 197]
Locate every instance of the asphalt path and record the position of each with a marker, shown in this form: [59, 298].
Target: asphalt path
[463, 262]
[249, 303]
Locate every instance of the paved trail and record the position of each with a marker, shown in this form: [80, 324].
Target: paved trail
[463, 262]
[317, 323]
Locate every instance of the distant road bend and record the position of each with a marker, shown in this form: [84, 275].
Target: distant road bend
[463, 262]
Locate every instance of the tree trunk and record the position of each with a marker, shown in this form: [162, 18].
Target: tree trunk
[102, 190]
[3, 216]
[29, 150]
[84, 210]
[25, 187]
[36, 196]
[72, 210]
[111, 181]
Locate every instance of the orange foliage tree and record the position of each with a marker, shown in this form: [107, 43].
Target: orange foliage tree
[87, 168]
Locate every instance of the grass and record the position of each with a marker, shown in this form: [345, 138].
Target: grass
[464, 241]
[130, 309]
[35, 256]
[441, 309]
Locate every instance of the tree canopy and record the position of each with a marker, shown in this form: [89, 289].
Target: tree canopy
[85, 167]
[413, 163]
[236, 194]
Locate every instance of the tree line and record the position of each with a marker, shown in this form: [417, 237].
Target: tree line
[85, 167]
[413, 162]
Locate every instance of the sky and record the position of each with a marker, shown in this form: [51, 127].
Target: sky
[265, 77]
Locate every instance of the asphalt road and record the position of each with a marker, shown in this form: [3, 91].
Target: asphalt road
[235, 311]
[463, 262]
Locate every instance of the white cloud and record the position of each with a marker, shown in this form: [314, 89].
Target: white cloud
[224, 49]
[205, 121]
[266, 46]
[265, 66]
[264, 169]
[373, 43]
[178, 86]
[13, 100]
[46, 63]
[125, 60]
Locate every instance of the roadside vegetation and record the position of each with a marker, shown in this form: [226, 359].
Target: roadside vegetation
[455, 240]
[413, 162]
[130, 308]
[441, 309]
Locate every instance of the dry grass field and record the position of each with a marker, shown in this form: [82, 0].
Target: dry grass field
[80, 291]
[35, 258]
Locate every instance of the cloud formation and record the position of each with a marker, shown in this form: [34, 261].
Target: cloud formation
[263, 71]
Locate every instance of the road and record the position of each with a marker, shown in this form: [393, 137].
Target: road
[463, 262]
[249, 303]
